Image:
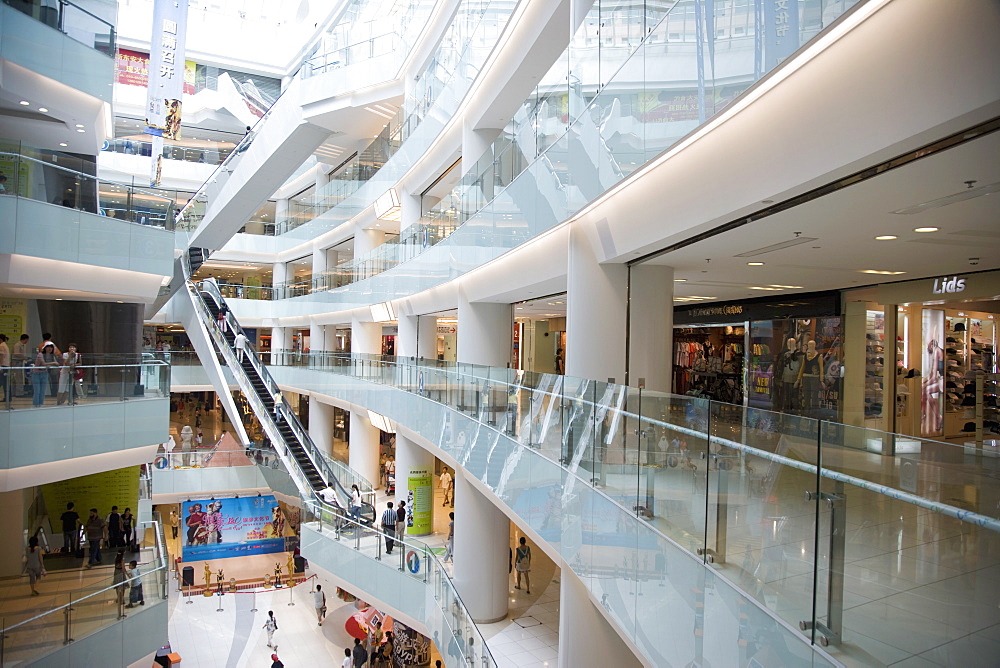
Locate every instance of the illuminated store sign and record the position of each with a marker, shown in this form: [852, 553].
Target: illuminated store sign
[948, 285]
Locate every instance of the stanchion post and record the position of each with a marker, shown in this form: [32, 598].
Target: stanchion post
[253, 604]
[220, 595]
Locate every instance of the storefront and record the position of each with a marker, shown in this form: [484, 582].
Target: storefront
[777, 355]
[921, 359]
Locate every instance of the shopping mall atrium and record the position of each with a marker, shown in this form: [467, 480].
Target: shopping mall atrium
[499, 333]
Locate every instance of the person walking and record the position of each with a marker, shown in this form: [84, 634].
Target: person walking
[276, 397]
[175, 523]
[319, 602]
[96, 530]
[128, 530]
[275, 661]
[356, 503]
[359, 653]
[5, 369]
[522, 565]
[348, 661]
[271, 625]
[67, 376]
[20, 360]
[70, 528]
[401, 521]
[389, 526]
[114, 522]
[45, 361]
[241, 346]
[34, 564]
[119, 577]
[447, 488]
[449, 554]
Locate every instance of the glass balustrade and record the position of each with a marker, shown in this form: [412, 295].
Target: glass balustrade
[34, 178]
[65, 617]
[876, 557]
[38, 386]
[73, 20]
[209, 155]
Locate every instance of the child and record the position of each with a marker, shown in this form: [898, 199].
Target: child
[135, 595]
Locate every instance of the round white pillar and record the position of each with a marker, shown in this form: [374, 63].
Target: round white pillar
[651, 327]
[484, 332]
[406, 336]
[409, 210]
[596, 299]
[585, 636]
[279, 274]
[317, 338]
[482, 544]
[321, 424]
[412, 461]
[363, 450]
[367, 240]
[366, 337]
[427, 337]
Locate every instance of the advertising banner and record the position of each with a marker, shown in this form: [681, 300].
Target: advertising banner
[420, 500]
[98, 490]
[781, 29]
[13, 317]
[132, 69]
[222, 528]
[166, 78]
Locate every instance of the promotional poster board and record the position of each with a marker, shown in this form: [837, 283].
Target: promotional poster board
[420, 501]
[223, 528]
[98, 490]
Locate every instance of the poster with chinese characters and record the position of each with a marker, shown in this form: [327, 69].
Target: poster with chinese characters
[233, 527]
[166, 78]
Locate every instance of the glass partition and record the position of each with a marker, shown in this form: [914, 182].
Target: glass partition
[830, 537]
[83, 25]
[55, 382]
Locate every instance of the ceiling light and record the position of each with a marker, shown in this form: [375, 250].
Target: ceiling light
[961, 314]
[62, 143]
[882, 273]
[755, 264]
[925, 229]
[787, 287]
[886, 237]
[81, 130]
[960, 196]
[79, 125]
[25, 103]
[43, 110]
[680, 280]
[769, 289]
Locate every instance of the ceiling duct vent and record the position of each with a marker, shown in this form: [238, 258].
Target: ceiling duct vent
[970, 193]
[778, 246]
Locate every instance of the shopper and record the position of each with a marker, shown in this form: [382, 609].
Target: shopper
[319, 602]
[241, 346]
[128, 530]
[449, 554]
[522, 565]
[271, 625]
[45, 361]
[97, 530]
[275, 661]
[348, 661]
[119, 577]
[401, 521]
[34, 564]
[389, 526]
[5, 369]
[52, 372]
[447, 487]
[135, 596]
[70, 528]
[360, 654]
[356, 503]
[175, 523]
[68, 376]
[20, 361]
[114, 521]
[276, 397]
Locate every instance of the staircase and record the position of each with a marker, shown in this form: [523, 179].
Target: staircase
[279, 421]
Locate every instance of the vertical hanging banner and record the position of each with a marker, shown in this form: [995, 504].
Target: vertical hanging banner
[166, 78]
[420, 500]
[781, 29]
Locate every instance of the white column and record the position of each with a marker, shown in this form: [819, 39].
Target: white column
[482, 544]
[366, 337]
[317, 338]
[595, 312]
[409, 210]
[281, 339]
[484, 332]
[427, 337]
[651, 327]
[411, 459]
[367, 240]
[585, 636]
[321, 424]
[319, 263]
[406, 336]
[363, 450]
[279, 274]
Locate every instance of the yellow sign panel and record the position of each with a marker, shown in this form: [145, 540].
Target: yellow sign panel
[98, 490]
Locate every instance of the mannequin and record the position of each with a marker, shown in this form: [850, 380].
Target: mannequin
[187, 434]
[790, 363]
[811, 376]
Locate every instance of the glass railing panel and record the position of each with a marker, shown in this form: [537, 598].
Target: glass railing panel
[75, 21]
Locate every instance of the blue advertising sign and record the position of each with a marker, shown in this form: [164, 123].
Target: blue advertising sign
[781, 30]
[233, 527]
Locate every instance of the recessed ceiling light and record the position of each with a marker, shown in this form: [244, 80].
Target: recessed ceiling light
[680, 280]
[78, 130]
[755, 264]
[79, 125]
[886, 237]
[769, 289]
[788, 287]
[882, 273]
[43, 110]
[925, 229]
[25, 103]
[961, 314]
[62, 143]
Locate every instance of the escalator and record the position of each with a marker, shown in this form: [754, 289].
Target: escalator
[311, 470]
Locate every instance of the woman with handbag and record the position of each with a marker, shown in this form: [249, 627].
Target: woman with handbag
[68, 375]
[522, 565]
